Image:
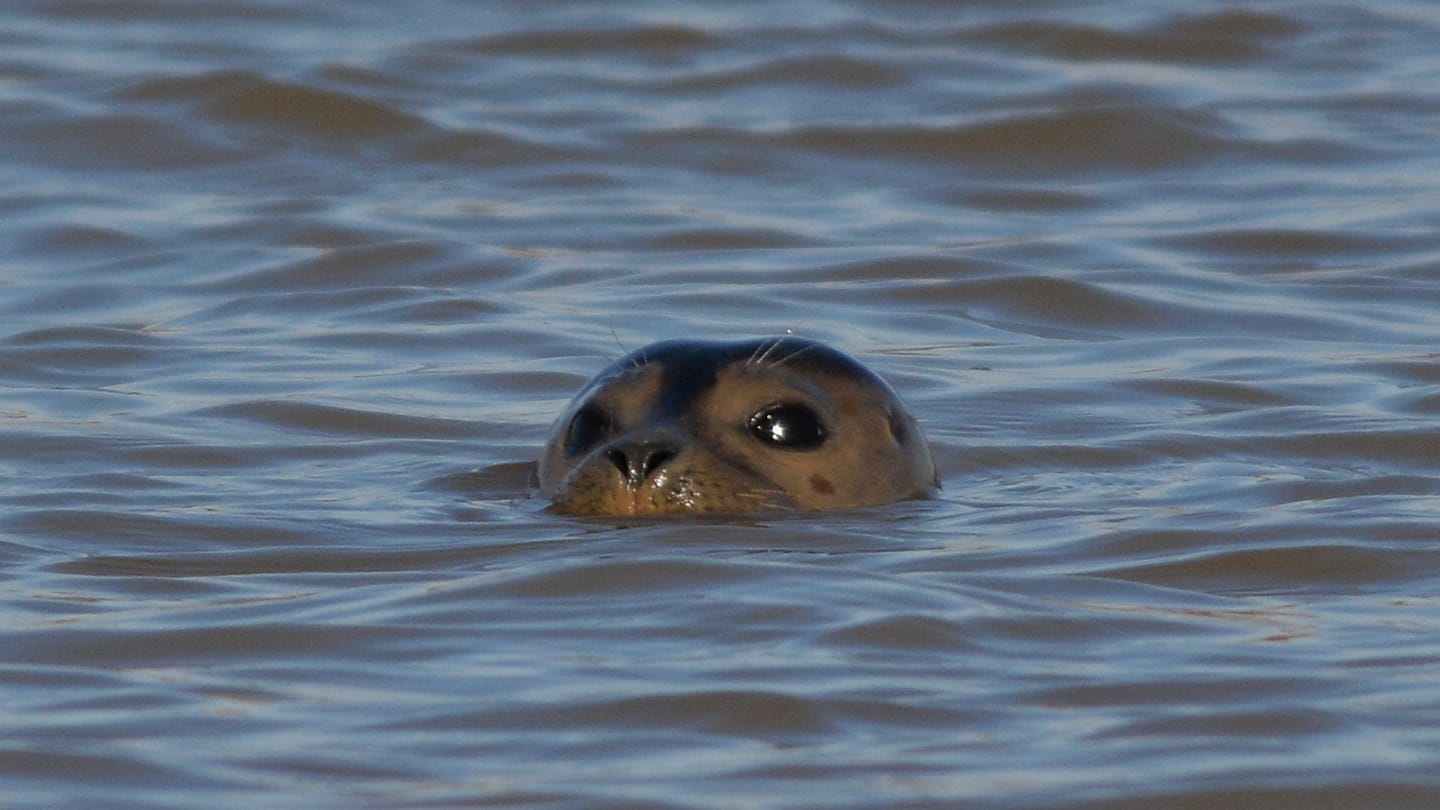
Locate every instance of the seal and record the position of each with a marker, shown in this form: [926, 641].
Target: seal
[685, 427]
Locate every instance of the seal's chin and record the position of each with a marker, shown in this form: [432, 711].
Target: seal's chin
[597, 488]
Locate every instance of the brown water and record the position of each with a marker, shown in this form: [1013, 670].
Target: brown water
[290, 293]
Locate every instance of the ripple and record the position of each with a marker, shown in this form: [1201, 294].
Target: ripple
[1298, 245]
[78, 355]
[324, 114]
[134, 645]
[834, 70]
[248, 98]
[1219, 38]
[160, 11]
[82, 239]
[117, 141]
[332, 420]
[345, 268]
[621, 579]
[902, 633]
[138, 531]
[1038, 144]
[1088, 139]
[736, 238]
[584, 42]
[1213, 395]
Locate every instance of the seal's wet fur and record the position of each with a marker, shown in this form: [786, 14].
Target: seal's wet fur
[689, 426]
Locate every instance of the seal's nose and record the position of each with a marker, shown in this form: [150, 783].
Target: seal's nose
[638, 461]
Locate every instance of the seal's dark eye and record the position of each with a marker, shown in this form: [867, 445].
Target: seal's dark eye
[789, 427]
[587, 428]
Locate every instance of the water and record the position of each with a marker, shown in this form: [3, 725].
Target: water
[290, 293]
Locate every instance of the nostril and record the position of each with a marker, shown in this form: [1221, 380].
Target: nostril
[654, 460]
[638, 462]
[619, 459]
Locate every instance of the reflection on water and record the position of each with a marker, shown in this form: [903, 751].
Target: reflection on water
[292, 291]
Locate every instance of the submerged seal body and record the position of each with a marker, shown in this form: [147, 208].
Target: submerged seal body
[688, 426]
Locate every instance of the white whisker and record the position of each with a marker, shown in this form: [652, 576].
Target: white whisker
[791, 356]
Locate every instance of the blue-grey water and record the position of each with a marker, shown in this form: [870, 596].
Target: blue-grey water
[291, 291]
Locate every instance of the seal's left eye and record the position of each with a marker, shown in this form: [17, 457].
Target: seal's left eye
[587, 427]
[789, 427]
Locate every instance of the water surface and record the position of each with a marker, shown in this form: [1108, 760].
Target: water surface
[291, 292]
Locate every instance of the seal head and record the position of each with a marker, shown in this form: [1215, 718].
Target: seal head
[689, 426]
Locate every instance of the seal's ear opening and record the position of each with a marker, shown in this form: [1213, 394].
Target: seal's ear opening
[905, 430]
[900, 429]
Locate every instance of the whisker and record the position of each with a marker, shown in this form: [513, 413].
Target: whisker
[791, 356]
[765, 357]
[616, 336]
[755, 355]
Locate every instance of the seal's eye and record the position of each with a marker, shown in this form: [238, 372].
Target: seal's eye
[587, 428]
[789, 427]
